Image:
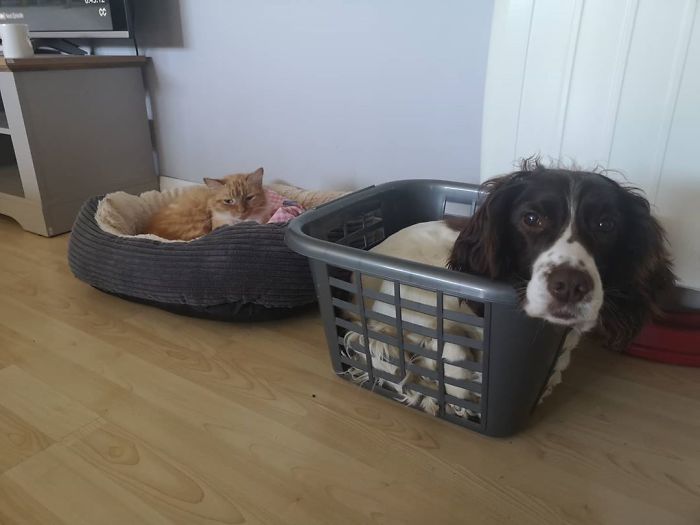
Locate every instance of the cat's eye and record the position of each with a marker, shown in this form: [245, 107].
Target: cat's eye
[605, 225]
[249, 197]
[533, 220]
[228, 201]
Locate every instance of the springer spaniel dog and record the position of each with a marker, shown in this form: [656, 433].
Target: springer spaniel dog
[582, 250]
[586, 250]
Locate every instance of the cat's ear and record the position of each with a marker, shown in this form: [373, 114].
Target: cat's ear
[214, 184]
[255, 177]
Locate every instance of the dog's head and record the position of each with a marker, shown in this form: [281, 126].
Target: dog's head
[583, 250]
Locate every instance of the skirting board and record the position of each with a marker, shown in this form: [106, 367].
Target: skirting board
[169, 183]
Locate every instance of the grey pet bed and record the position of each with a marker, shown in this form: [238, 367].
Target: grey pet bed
[236, 273]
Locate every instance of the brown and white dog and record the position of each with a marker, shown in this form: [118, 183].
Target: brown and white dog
[584, 251]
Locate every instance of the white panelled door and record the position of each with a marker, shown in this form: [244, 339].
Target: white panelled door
[609, 83]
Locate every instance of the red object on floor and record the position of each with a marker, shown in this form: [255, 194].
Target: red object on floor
[675, 339]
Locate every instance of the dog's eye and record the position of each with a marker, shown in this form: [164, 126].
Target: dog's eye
[249, 197]
[532, 220]
[605, 225]
[228, 201]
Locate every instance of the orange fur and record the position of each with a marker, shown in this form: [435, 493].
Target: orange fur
[198, 211]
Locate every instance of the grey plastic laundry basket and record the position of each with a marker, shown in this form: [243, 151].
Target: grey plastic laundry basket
[514, 357]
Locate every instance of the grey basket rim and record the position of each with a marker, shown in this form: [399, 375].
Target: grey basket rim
[408, 272]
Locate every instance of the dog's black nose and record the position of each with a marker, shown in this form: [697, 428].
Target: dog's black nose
[569, 285]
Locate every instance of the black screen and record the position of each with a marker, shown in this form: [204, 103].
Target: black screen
[63, 15]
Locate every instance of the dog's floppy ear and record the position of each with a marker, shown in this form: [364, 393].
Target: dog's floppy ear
[481, 246]
[646, 274]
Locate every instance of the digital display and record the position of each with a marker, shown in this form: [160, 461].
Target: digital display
[58, 15]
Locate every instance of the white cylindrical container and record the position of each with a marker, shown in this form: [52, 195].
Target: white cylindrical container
[15, 41]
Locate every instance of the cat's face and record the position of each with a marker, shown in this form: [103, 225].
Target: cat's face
[240, 196]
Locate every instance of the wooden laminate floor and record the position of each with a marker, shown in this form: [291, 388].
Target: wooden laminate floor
[116, 413]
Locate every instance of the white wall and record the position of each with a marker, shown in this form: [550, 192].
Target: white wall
[322, 93]
[614, 83]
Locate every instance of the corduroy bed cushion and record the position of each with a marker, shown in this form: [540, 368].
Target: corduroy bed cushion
[236, 273]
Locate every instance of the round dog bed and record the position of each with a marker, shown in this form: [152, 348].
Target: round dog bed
[236, 273]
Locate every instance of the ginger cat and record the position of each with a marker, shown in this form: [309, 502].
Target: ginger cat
[198, 211]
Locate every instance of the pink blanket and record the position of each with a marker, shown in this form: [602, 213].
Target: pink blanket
[281, 209]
